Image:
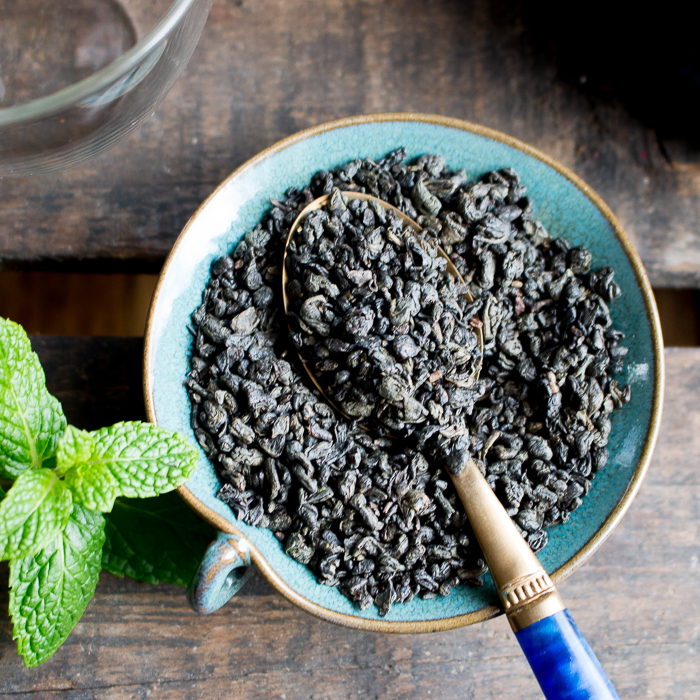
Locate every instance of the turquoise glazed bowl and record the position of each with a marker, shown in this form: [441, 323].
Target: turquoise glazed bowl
[565, 205]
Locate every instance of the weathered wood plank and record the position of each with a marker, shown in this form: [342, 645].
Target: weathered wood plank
[635, 600]
[266, 69]
[98, 380]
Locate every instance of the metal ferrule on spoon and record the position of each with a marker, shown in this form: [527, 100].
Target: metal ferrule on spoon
[526, 592]
[560, 657]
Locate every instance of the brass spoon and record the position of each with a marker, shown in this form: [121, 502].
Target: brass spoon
[560, 657]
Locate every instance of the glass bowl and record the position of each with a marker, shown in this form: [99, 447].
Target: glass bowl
[79, 120]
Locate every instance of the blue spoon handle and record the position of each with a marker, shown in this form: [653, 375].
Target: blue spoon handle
[563, 662]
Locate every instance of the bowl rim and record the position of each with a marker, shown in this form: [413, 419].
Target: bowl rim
[67, 96]
[609, 524]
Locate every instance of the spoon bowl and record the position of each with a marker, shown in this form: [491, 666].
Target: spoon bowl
[317, 204]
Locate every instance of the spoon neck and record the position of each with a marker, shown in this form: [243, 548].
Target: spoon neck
[526, 592]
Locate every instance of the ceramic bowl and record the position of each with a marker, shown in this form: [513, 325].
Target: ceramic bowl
[565, 205]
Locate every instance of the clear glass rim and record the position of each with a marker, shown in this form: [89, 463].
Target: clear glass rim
[65, 97]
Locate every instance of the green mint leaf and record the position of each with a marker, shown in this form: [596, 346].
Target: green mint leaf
[49, 591]
[31, 420]
[74, 446]
[156, 539]
[87, 475]
[2, 494]
[34, 511]
[144, 460]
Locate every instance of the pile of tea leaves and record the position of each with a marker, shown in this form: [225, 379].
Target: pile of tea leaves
[374, 515]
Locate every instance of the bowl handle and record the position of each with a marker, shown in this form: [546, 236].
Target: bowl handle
[225, 567]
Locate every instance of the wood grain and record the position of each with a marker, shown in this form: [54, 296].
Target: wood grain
[78, 303]
[97, 380]
[266, 69]
[636, 600]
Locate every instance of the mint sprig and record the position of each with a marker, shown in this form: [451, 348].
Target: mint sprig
[57, 481]
[132, 459]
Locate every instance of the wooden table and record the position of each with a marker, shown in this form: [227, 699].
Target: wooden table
[262, 71]
[635, 600]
